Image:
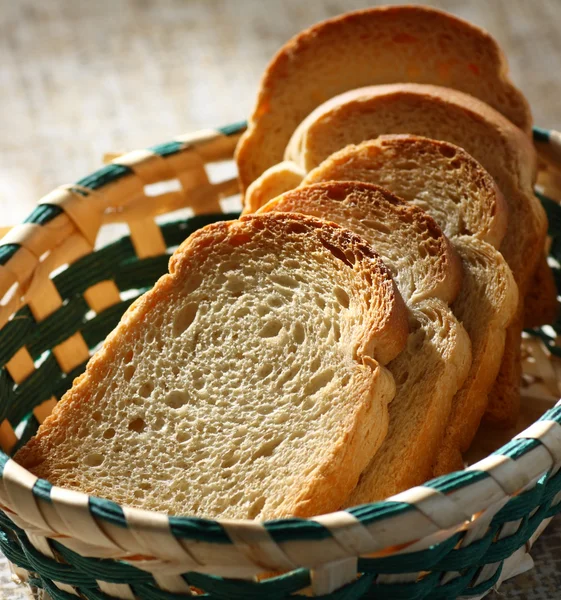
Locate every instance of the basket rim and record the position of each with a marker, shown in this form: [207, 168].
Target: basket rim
[440, 504]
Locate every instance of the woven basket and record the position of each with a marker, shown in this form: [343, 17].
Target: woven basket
[456, 536]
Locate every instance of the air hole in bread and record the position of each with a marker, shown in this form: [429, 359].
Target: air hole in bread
[177, 399]
[97, 416]
[319, 302]
[274, 301]
[318, 381]
[270, 329]
[337, 252]
[128, 372]
[447, 151]
[236, 284]
[93, 460]
[159, 423]
[182, 436]
[299, 332]
[256, 508]
[342, 296]
[336, 331]
[185, 318]
[285, 281]
[138, 425]
[376, 225]
[146, 389]
[267, 448]
[230, 459]
[109, 433]
[129, 356]
[264, 370]
[263, 310]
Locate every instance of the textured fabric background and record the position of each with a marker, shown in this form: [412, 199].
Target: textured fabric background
[80, 78]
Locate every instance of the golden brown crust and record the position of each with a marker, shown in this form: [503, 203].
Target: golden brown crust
[485, 219]
[326, 487]
[412, 43]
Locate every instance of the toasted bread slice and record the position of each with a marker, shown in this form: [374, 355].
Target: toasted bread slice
[436, 361]
[248, 383]
[371, 47]
[500, 147]
[454, 189]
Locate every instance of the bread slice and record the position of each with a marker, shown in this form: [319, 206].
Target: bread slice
[463, 199]
[436, 360]
[500, 147]
[248, 383]
[370, 47]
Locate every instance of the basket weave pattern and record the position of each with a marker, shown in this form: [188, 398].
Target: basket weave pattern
[61, 296]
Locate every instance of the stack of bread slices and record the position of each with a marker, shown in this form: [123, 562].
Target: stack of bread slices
[344, 338]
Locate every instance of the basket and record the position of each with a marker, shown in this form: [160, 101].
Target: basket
[455, 536]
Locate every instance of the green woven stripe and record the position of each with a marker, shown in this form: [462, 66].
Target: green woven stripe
[200, 529]
[43, 213]
[113, 571]
[108, 511]
[176, 232]
[456, 481]
[468, 556]
[16, 334]
[29, 430]
[540, 135]
[6, 252]
[142, 273]
[283, 530]
[35, 390]
[423, 560]
[42, 489]
[379, 511]
[105, 175]
[97, 329]
[277, 587]
[59, 326]
[65, 381]
[233, 128]
[167, 148]
[6, 394]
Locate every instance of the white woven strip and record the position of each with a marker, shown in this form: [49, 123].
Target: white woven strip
[255, 542]
[151, 531]
[41, 544]
[487, 571]
[85, 216]
[18, 484]
[66, 588]
[442, 511]
[147, 165]
[116, 590]
[504, 471]
[349, 532]
[477, 528]
[509, 528]
[549, 434]
[332, 576]
[173, 584]
[73, 510]
[22, 235]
